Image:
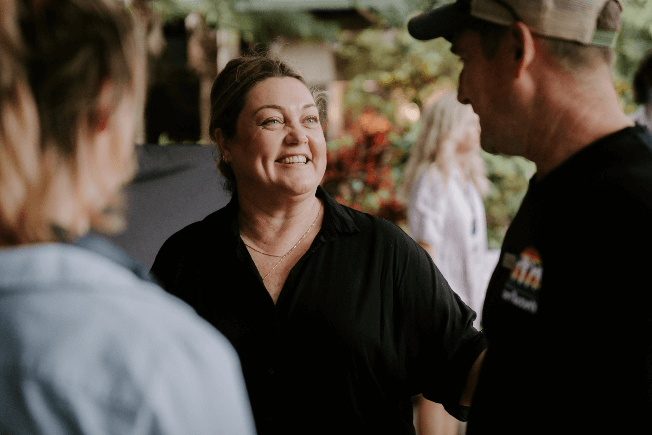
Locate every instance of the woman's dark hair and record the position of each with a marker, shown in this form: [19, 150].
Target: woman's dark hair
[229, 94]
[643, 80]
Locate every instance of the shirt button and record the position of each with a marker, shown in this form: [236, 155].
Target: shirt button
[271, 370]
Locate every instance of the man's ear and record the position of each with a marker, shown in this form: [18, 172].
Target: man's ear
[521, 46]
[222, 145]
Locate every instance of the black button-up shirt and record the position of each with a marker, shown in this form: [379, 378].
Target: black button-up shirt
[364, 322]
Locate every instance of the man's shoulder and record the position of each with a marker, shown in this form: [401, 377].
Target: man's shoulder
[620, 160]
[626, 166]
[630, 146]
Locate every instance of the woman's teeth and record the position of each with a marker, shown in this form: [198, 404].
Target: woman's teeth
[294, 159]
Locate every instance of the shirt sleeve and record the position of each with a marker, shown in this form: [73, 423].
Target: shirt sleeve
[167, 262]
[442, 343]
[428, 208]
[169, 268]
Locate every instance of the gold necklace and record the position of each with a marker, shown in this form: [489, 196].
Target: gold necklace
[291, 249]
[258, 250]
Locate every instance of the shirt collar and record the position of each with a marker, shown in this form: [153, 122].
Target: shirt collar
[337, 218]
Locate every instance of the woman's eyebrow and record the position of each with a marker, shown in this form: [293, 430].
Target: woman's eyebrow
[281, 108]
[269, 106]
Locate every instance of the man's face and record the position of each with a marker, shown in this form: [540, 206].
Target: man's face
[485, 84]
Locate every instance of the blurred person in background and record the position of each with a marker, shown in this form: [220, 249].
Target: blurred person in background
[339, 318]
[568, 308]
[443, 185]
[642, 87]
[87, 345]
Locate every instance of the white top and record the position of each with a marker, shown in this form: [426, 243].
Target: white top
[452, 220]
[86, 347]
[640, 116]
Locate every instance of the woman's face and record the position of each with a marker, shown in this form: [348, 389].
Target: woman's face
[279, 145]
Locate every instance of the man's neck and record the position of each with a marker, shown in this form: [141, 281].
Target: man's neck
[572, 116]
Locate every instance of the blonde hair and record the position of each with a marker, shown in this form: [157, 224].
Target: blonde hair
[18, 126]
[444, 124]
[54, 98]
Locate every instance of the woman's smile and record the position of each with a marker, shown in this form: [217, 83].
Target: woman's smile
[293, 159]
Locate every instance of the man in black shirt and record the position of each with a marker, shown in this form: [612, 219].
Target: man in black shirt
[567, 313]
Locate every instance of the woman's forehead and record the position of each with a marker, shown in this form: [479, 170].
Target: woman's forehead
[284, 92]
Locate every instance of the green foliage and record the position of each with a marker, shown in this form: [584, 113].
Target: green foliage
[509, 177]
[214, 11]
[633, 42]
[265, 27]
[381, 64]
[164, 139]
[364, 168]
[254, 27]
[385, 68]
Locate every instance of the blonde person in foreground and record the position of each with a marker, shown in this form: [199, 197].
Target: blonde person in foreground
[87, 346]
[443, 184]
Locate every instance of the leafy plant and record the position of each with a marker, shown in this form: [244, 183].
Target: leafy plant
[633, 42]
[509, 177]
[361, 171]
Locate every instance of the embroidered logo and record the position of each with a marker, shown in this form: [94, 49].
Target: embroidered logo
[522, 287]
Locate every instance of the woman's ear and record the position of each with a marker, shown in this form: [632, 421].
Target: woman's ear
[222, 145]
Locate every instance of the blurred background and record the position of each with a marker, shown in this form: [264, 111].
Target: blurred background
[377, 78]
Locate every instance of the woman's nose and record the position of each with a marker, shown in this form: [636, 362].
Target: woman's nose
[296, 134]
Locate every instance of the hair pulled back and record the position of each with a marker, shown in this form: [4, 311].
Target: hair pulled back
[229, 94]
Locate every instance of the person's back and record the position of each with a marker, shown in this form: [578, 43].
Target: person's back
[88, 343]
[89, 347]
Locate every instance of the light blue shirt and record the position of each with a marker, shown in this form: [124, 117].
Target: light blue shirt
[87, 347]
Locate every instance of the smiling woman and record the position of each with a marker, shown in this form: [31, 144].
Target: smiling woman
[228, 98]
[279, 148]
[322, 303]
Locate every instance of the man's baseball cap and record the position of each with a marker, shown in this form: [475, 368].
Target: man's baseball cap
[572, 20]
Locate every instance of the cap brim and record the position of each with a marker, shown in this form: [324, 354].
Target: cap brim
[441, 22]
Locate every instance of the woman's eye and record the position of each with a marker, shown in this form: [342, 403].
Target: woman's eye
[271, 122]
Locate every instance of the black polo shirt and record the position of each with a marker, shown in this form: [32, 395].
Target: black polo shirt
[364, 322]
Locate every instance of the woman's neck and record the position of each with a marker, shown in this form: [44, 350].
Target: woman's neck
[272, 228]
